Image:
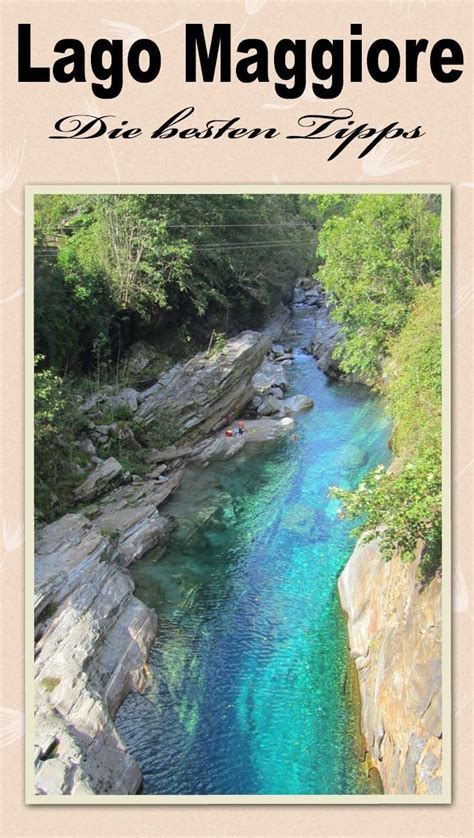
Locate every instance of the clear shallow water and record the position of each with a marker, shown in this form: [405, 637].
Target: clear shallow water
[250, 689]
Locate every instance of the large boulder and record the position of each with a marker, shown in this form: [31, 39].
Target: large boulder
[267, 429]
[311, 298]
[205, 392]
[66, 550]
[218, 448]
[104, 476]
[295, 404]
[269, 375]
[269, 406]
[125, 398]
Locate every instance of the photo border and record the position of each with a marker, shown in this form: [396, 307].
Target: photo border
[198, 800]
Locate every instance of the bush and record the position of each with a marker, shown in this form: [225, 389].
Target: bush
[55, 458]
[163, 432]
[375, 258]
[407, 501]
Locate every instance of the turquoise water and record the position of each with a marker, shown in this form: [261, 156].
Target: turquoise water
[250, 674]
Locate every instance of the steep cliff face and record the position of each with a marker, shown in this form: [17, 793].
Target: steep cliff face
[327, 340]
[394, 628]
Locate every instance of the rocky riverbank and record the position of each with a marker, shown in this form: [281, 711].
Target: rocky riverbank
[328, 337]
[92, 634]
[394, 627]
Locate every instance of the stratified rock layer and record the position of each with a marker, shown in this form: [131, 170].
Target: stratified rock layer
[394, 630]
[92, 635]
[202, 392]
[93, 638]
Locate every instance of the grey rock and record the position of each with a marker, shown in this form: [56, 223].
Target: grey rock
[101, 479]
[169, 454]
[87, 659]
[202, 392]
[277, 349]
[218, 448]
[65, 551]
[96, 399]
[326, 344]
[394, 631]
[157, 472]
[94, 638]
[295, 404]
[87, 446]
[298, 296]
[125, 398]
[269, 375]
[269, 406]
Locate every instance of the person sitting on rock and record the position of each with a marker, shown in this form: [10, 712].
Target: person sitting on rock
[241, 429]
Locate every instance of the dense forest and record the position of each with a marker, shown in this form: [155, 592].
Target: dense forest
[184, 272]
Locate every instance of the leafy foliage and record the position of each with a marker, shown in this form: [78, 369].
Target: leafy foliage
[375, 257]
[402, 505]
[124, 266]
[56, 424]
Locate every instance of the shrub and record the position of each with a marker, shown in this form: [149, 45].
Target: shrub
[407, 502]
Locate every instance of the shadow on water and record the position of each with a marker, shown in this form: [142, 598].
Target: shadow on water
[249, 668]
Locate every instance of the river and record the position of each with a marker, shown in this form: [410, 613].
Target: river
[250, 679]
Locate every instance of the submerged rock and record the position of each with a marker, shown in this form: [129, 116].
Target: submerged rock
[395, 639]
[300, 519]
[351, 457]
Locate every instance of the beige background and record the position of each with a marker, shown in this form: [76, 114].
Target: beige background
[444, 155]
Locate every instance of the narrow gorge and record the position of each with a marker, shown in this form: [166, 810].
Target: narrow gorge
[189, 634]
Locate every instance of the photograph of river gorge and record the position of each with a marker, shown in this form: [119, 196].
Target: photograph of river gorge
[238, 494]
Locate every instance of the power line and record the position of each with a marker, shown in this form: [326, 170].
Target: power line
[270, 224]
[246, 245]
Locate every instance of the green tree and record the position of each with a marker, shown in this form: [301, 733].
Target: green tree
[375, 258]
[402, 504]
